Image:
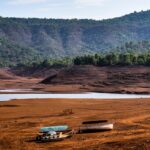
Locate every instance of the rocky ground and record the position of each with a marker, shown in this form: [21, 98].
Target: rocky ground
[79, 79]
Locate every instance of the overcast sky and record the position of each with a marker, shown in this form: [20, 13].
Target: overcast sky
[91, 9]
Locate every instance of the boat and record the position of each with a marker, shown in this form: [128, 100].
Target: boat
[95, 127]
[52, 136]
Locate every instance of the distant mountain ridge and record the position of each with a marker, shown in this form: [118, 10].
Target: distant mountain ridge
[23, 40]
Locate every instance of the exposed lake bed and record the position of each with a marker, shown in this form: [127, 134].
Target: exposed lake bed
[78, 79]
[26, 105]
[21, 120]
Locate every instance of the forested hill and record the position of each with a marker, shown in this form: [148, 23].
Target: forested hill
[25, 40]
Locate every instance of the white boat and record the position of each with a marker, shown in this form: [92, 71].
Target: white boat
[96, 127]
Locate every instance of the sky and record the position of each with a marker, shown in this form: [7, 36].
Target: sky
[67, 9]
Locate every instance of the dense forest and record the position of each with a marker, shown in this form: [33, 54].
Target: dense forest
[110, 59]
[32, 40]
[114, 59]
[131, 53]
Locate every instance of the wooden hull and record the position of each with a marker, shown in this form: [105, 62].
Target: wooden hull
[52, 138]
[96, 128]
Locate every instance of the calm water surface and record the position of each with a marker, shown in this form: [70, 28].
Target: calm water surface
[92, 95]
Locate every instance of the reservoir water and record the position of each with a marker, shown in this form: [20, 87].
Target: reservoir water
[90, 95]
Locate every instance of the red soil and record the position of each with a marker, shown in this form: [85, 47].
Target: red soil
[21, 119]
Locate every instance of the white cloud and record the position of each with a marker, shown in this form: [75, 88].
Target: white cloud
[23, 2]
[90, 2]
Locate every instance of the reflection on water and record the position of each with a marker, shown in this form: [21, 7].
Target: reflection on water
[92, 95]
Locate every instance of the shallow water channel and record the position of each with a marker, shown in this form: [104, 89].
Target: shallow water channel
[89, 95]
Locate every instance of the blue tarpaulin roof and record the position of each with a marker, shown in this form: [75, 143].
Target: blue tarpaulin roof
[54, 128]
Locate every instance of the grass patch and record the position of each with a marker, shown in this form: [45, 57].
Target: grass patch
[66, 112]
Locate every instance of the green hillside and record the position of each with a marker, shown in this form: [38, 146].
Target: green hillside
[26, 40]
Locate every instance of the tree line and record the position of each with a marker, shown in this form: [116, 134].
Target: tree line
[110, 59]
[113, 59]
[47, 63]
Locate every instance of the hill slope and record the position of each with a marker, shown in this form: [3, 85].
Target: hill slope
[24, 40]
[134, 79]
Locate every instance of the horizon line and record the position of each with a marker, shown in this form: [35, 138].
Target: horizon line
[75, 17]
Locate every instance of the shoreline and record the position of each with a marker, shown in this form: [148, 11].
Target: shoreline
[44, 90]
[125, 80]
